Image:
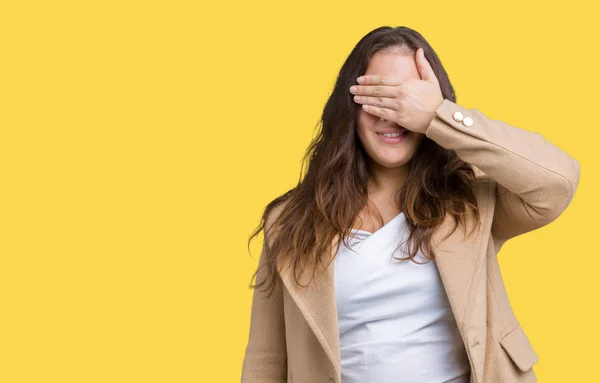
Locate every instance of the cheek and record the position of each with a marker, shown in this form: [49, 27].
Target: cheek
[365, 118]
[365, 124]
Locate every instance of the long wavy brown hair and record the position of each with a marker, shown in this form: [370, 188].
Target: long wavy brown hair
[332, 193]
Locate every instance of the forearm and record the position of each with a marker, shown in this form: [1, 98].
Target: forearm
[523, 163]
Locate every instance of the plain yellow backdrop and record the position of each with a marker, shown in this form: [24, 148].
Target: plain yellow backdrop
[141, 140]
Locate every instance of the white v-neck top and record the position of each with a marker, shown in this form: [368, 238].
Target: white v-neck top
[395, 321]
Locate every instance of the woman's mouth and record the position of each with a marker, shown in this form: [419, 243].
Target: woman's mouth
[393, 138]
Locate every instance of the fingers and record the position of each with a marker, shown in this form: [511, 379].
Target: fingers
[424, 67]
[381, 102]
[374, 90]
[378, 79]
[383, 113]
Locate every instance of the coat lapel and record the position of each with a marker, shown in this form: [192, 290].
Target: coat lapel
[317, 302]
[456, 257]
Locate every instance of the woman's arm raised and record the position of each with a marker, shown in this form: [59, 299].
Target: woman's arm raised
[535, 179]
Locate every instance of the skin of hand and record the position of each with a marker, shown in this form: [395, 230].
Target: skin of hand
[410, 103]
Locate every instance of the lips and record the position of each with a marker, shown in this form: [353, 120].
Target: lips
[395, 134]
[395, 138]
[392, 130]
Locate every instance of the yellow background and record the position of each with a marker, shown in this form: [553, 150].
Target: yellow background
[140, 141]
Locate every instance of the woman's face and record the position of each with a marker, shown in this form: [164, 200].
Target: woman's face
[388, 152]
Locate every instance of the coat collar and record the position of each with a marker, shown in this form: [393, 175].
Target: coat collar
[456, 258]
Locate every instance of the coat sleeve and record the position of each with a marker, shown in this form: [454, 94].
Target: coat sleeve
[265, 359]
[535, 180]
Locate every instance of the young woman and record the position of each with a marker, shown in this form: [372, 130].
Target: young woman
[381, 265]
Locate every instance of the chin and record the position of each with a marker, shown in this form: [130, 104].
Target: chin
[391, 162]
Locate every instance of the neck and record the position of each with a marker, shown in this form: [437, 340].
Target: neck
[386, 181]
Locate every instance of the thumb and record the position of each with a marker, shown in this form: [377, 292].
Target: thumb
[424, 68]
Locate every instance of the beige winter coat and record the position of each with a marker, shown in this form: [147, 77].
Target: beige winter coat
[524, 183]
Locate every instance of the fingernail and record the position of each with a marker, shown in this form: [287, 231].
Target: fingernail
[360, 80]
